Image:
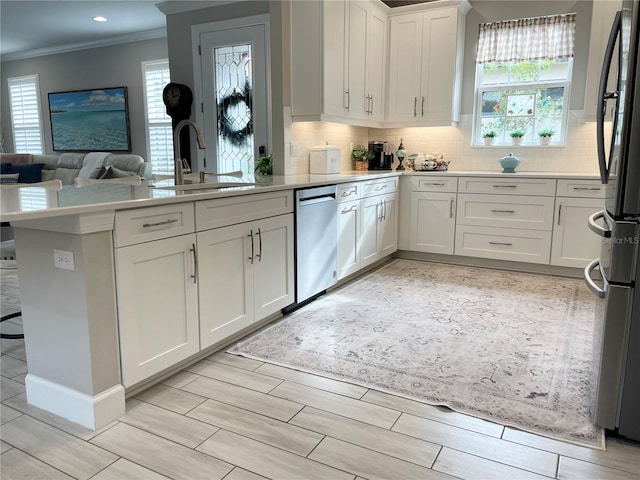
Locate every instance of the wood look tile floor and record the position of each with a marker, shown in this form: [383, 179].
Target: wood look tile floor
[233, 418]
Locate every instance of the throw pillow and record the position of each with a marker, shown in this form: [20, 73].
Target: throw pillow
[8, 178]
[5, 168]
[30, 173]
[113, 172]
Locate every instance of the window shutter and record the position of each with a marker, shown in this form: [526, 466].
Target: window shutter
[24, 101]
[158, 123]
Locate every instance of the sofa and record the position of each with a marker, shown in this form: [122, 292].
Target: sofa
[67, 166]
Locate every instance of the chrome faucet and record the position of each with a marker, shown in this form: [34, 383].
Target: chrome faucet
[179, 174]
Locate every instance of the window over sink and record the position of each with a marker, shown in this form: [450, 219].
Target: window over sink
[523, 78]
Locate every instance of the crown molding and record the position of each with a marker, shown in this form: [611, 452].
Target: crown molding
[117, 40]
[172, 6]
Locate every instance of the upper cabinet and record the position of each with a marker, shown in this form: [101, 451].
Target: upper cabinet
[426, 51]
[338, 61]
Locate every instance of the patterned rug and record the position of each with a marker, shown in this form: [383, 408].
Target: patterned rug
[512, 348]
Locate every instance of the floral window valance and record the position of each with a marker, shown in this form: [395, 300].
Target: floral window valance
[527, 39]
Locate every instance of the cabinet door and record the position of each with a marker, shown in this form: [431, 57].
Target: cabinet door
[225, 282]
[432, 222]
[157, 306]
[357, 76]
[273, 269]
[438, 74]
[388, 226]
[348, 238]
[335, 57]
[573, 244]
[369, 230]
[376, 67]
[405, 51]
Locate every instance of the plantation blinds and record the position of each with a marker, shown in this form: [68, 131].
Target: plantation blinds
[24, 102]
[158, 123]
[527, 39]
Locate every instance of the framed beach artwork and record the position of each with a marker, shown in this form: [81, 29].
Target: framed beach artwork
[90, 120]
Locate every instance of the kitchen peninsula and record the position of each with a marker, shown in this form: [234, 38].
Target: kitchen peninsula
[161, 277]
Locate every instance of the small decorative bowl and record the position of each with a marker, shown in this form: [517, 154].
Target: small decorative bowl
[433, 165]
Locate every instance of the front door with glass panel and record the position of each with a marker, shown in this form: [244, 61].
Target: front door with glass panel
[234, 87]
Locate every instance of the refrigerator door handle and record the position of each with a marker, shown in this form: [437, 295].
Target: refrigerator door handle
[597, 229]
[600, 292]
[603, 96]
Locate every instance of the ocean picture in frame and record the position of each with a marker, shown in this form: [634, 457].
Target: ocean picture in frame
[90, 120]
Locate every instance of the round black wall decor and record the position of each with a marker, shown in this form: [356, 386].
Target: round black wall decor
[237, 136]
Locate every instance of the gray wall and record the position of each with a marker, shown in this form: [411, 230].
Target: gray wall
[496, 10]
[113, 66]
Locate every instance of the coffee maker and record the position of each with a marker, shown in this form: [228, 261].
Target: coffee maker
[382, 158]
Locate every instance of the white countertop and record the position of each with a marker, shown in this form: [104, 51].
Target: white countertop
[29, 203]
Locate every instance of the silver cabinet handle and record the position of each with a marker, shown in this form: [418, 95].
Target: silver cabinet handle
[451, 208]
[350, 209]
[435, 184]
[422, 107]
[348, 193]
[593, 189]
[252, 247]
[380, 187]
[600, 292]
[195, 262]
[415, 106]
[379, 205]
[348, 100]
[559, 212]
[259, 255]
[371, 107]
[501, 243]
[157, 224]
[503, 211]
[384, 209]
[505, 186]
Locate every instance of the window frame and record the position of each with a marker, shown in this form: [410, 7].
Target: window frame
[476, 134]
[148, 124]
[26, 80]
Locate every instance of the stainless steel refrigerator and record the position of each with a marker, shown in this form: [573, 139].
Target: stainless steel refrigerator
[613, 277]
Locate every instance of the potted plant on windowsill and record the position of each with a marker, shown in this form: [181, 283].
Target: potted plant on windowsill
[516, 136]
[264, 168]
[489, 136]
[545, 136]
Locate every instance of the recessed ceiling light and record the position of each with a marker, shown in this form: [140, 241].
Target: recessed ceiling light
[100, 19]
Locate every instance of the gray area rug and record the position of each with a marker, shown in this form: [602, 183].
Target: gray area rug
[507, 347]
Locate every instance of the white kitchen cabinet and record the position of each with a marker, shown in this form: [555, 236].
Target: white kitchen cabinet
[338, 52]
[426, 50]
[157, 305]
[349, 223]
[245, 273]
[573, 244]
[433, 222]
[379, 228]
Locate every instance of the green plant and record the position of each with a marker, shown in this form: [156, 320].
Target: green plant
[546, 132]
[361, 154]
[264, 165]
[490, 134]
[517, 133]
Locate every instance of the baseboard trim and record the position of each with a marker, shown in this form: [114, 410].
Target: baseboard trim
[489, 263]
[89, 411]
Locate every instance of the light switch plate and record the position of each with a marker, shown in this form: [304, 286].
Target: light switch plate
[63, 259]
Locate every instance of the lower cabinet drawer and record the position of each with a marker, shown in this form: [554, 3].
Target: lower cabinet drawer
[533, 246]
[153, 223]
[506, 211]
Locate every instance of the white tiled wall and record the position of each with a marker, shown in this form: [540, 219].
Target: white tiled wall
[579, 154]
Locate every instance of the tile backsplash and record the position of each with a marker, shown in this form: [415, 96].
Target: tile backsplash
[578, 155]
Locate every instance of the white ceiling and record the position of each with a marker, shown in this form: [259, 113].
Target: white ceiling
[29, 27]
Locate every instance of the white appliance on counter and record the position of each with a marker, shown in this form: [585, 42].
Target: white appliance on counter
[617, 328]
[324, 160]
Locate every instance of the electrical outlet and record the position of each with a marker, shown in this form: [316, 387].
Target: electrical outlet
[63, 259]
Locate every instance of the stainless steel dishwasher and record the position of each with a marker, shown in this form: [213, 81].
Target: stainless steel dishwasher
[316, 241]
